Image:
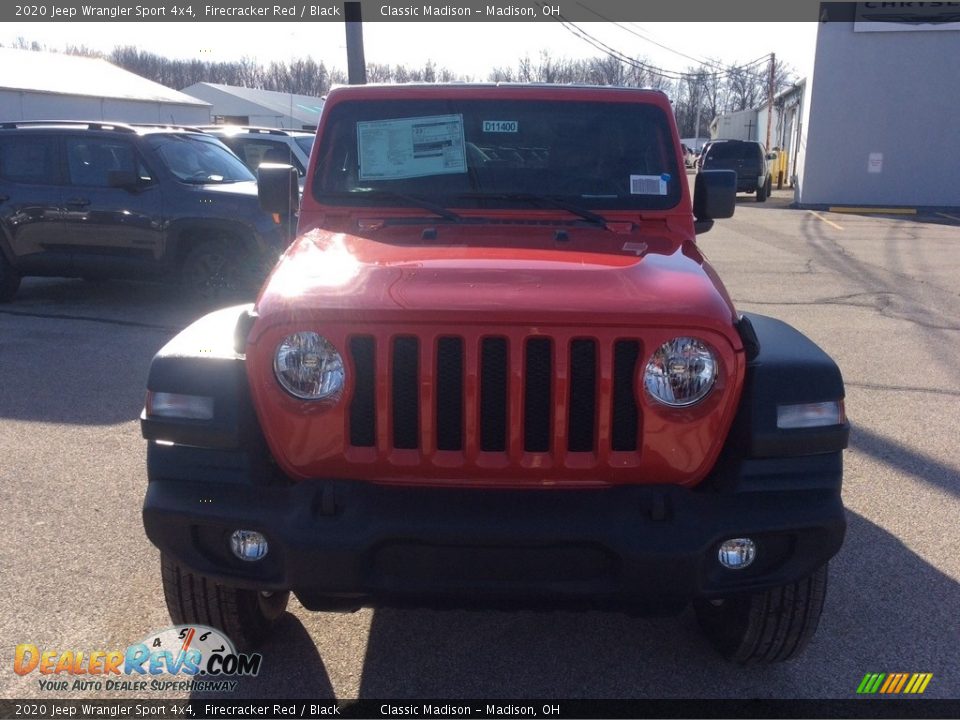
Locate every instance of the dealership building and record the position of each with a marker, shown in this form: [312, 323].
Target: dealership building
[879, 125]
[873, 125]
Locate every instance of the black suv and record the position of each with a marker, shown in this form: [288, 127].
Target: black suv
[745, 157]
[108, 200]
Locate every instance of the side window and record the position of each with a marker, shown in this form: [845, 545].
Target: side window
[90, 160]
[29, 160]
[256, 151]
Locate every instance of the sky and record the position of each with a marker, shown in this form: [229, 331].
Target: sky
[465, 48]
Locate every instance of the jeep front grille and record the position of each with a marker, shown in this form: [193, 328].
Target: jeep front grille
[511, 393]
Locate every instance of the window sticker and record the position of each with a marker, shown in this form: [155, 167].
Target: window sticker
[411, 147]
[501, 126]
[649, 184]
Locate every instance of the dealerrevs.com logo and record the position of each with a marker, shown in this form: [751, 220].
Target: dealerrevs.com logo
[192, 658]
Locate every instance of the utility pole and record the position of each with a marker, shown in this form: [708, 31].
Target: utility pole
[696, 129]
[356, 65]
[773, 64]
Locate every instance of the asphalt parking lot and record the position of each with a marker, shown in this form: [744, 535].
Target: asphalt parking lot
[878, 293]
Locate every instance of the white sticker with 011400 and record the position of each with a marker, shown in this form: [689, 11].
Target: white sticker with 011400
[501, 126]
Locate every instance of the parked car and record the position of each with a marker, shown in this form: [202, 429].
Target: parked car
[745, 157]
[490, 371]
[110, 200]
[689, 156]
[256, 145]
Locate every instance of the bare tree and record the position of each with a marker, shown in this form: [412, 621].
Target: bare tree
[711, 88]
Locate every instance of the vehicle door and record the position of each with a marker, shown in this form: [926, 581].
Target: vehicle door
[112, 206]
[30, 203]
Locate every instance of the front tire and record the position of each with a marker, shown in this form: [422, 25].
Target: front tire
[211, 272]
[247, 617]
[762, 192]
[767, 627]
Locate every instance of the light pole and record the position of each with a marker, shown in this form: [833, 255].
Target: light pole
[356, 64]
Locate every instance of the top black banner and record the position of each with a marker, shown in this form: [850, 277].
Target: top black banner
[406, 10]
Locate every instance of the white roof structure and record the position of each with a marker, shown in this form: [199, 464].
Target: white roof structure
[50, 86]
[261, 107]
[45, 72]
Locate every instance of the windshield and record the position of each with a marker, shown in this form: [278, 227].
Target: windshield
[199, 159]
[498, 154]
[732, 151]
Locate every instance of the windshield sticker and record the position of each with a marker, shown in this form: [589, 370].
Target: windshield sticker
[649, 184]
[411, 147]
[501, 126]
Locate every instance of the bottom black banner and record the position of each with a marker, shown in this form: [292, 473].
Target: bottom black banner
[483, 709]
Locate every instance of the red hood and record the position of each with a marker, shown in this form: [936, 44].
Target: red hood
[638, 286]
[597, 276]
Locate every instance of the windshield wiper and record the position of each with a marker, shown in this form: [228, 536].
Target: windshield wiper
[411, 199]
[549, 201]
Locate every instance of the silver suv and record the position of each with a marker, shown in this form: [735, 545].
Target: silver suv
[255, 145]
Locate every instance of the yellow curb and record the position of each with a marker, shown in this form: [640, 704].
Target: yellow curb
[874, 210]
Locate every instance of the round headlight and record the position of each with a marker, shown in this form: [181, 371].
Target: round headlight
[309, 367]
[681, 372]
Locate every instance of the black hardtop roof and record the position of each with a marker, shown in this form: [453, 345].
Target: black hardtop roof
[505, 85]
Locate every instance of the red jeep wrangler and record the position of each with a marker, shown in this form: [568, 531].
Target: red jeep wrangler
[495, 369]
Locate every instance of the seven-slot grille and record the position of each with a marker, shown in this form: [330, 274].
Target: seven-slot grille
[491, 393]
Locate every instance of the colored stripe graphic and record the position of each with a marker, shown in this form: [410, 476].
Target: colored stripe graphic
[894, 683]
[871, 683]
[891, 681]
[918, 683]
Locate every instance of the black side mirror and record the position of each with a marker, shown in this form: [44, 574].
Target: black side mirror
[714, 197]
[126, 179]
[278, 188]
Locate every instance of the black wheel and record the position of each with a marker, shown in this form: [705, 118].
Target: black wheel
[767, 627]
[9, 280]
[762, 192]
[210, 271]
[245, 616]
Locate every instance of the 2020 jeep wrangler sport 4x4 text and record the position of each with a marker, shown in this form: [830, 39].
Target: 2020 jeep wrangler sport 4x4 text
[495, 369]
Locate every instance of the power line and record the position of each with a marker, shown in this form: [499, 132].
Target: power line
[703, 61]
[668, 74]
[660, 45]
[589, 39]
[674, 75]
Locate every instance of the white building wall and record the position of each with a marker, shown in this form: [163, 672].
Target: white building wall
[25, 105]
[229, 105]
[740, 125]
[882, 119]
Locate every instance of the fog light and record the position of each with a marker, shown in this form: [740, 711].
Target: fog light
[737, 553]
[248, 544]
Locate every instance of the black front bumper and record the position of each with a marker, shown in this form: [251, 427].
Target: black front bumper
[348, 543]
